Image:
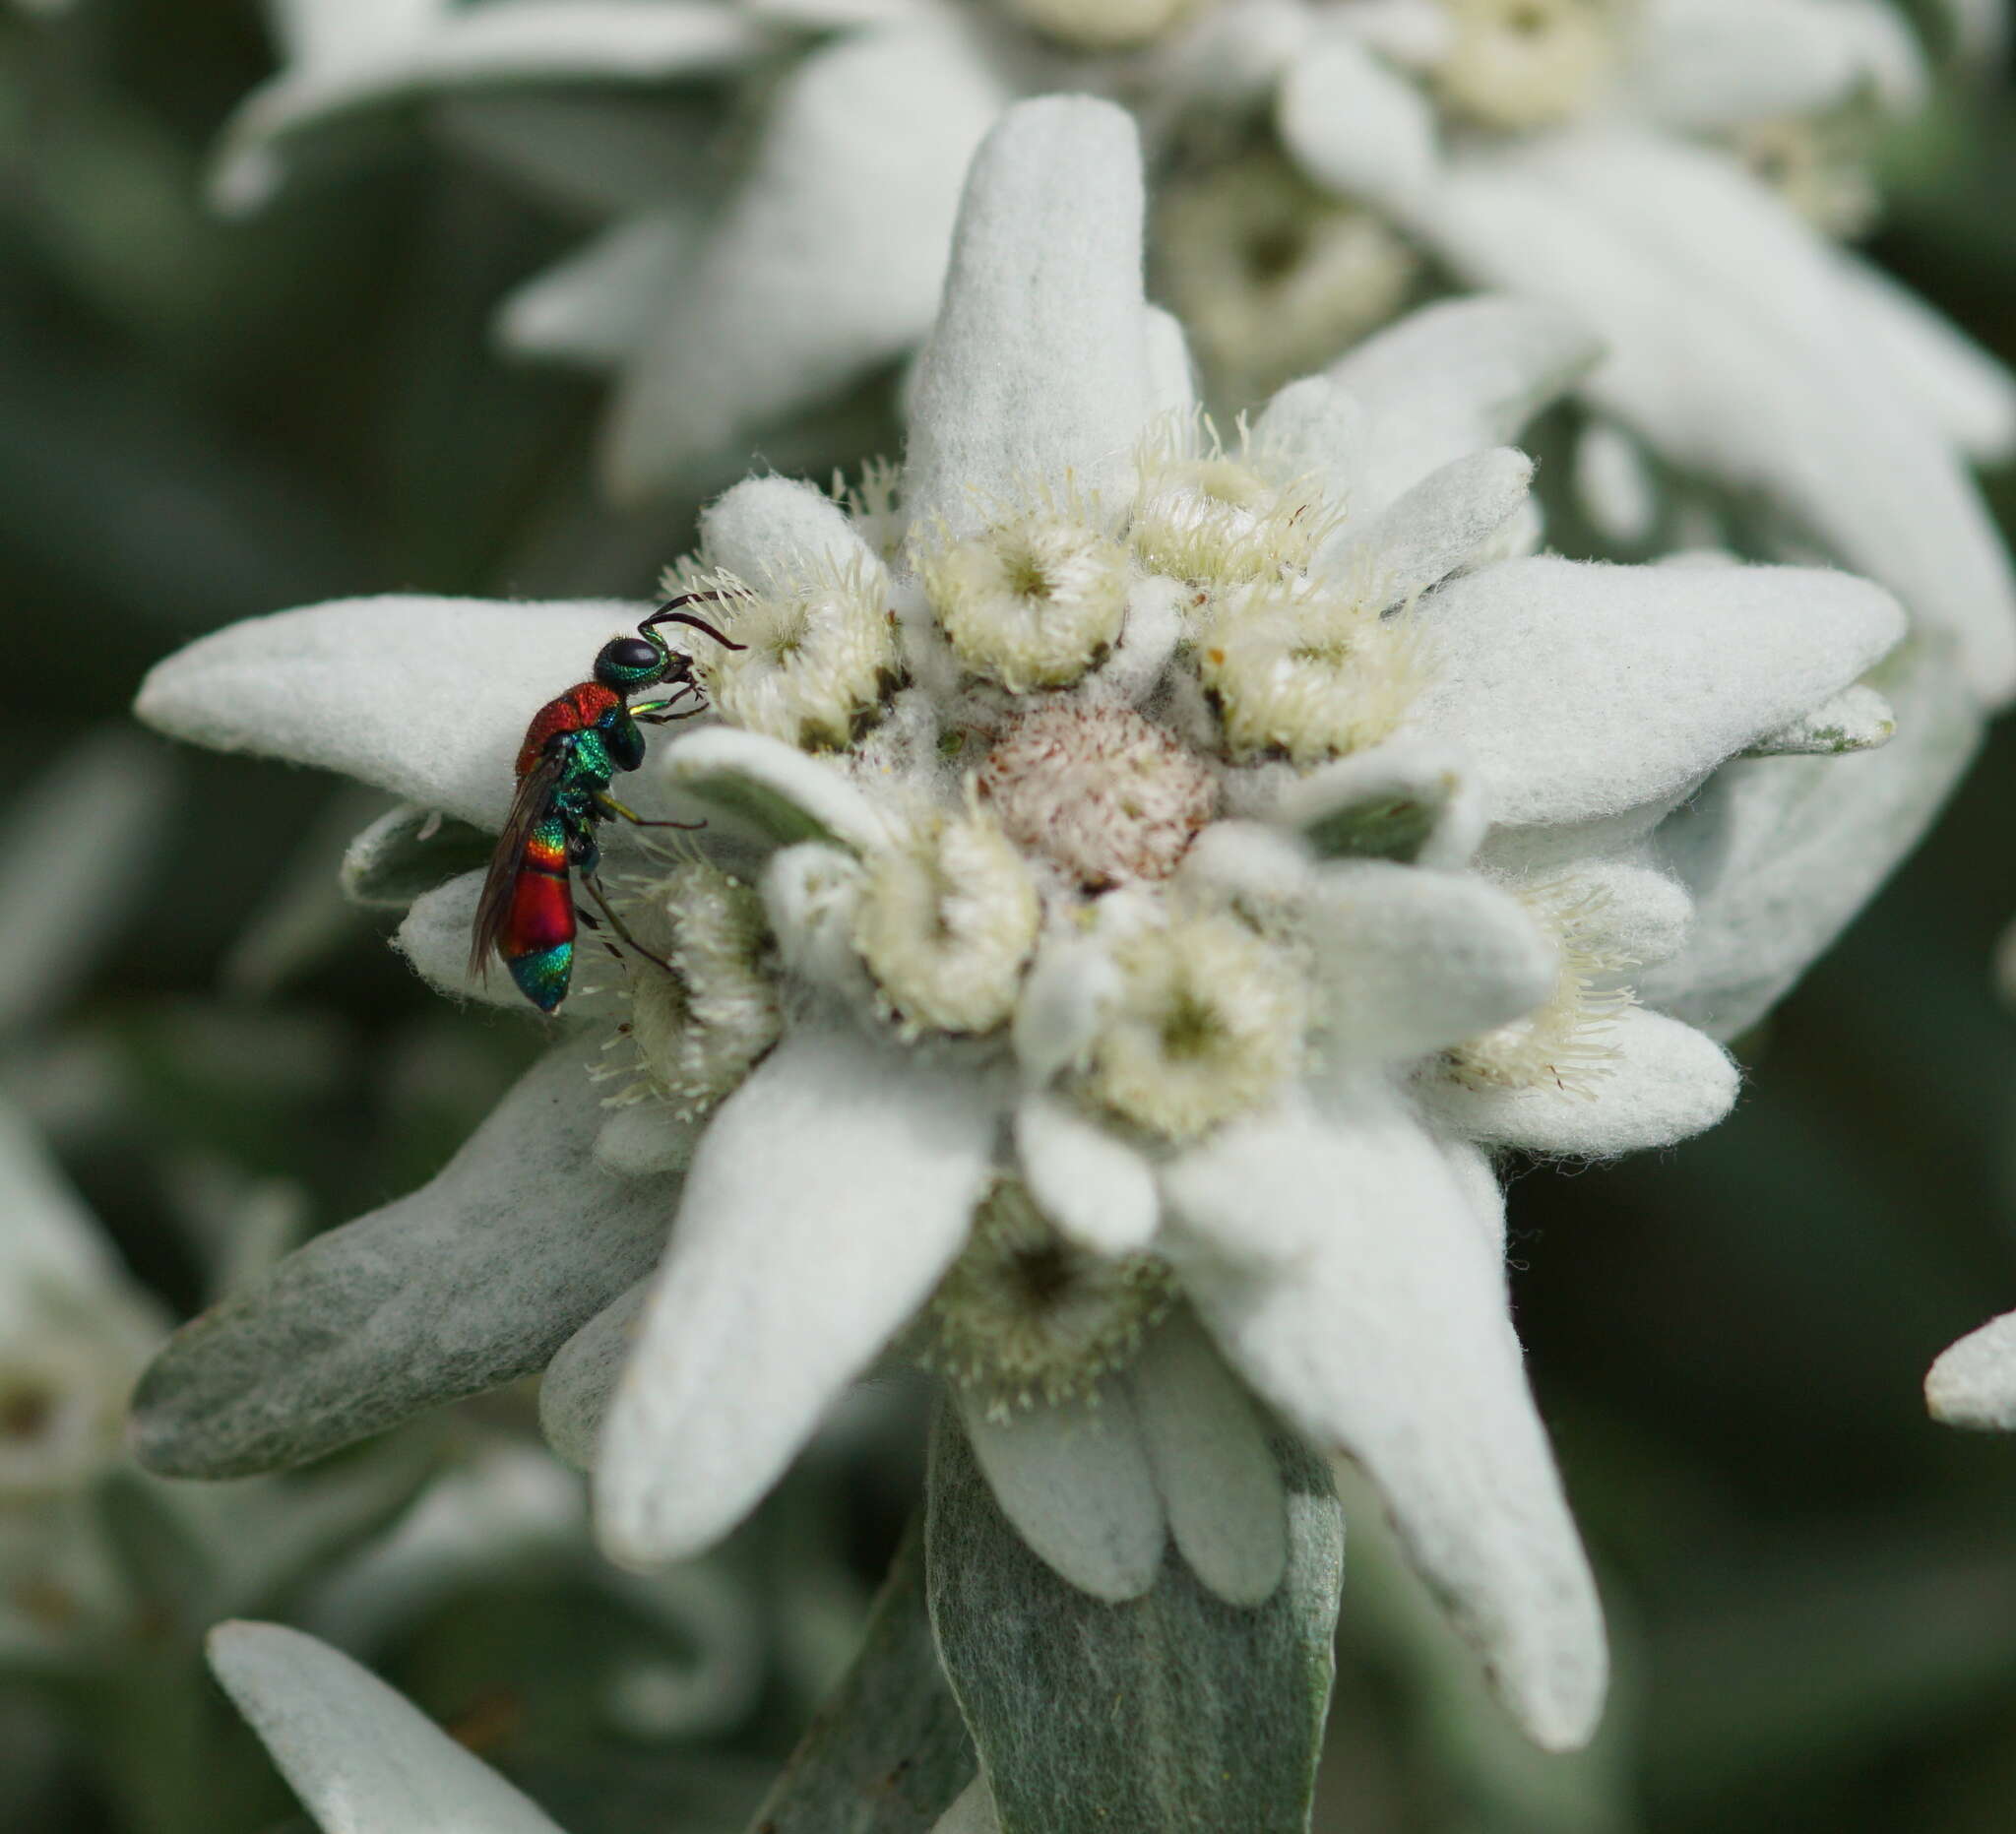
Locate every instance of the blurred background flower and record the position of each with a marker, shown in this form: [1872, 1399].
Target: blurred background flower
[1810, 1585]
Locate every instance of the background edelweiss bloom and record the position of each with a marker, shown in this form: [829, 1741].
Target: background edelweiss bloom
[1639, 165]
[1227, 1037]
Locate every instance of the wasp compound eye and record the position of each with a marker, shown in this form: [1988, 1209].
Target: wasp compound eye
[625, 661]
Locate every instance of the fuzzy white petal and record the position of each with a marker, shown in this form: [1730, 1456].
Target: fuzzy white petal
[469, 1282]
[1171, 377]
[973, 1813]
[1388, 1337]
[596, 40]
[1039, 365]
[1857, 719]
[1780, 853]
[1633, 909]
[595, 307]
[1076, 1481]
[827, 261]
[1738, 350]
[1065, 1002]
[1412, 800]
[372, 688]
[1316, 428]
[1212, 1464]
[1974, 1381]
[1094, 1187]
[1357, 126]
[1411, 960]
[1663, 1082]
[574, 1391]
[646, 1140]
[828, 1196]
[362, 1760]
[1454, 378]
[1708, 65]
[1614, 484]
[767, 790]
[767, 531]
[1967, 390]
[1431, 529]
[1586, 690]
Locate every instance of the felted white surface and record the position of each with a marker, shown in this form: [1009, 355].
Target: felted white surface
[1433, 527]
[973, 1813]
[1711, 65]
[1737, 350]
[767, 530]
[762, 787]
[1434, 776]
[1630, 908]
[828, 1196]
[1584, 690]
[1388, 1338]
[1969, 392]
[1780, 853]
[826, 262]
[595, 308]
[1455, 378]
[507, 40]
[1065, 998]
[574, 1391]
[1217, 1476]
[361, 1759]
[646, 1139]
[1974, 1382]
[1094, 1187]
[1171, 377]
[1037, 365]
[1354, 124]
[1411, 960]
[428, 698]
[1614, 484]
[1074, 1479]
[1664, 1082]
[472, 1280]
[1857, 719]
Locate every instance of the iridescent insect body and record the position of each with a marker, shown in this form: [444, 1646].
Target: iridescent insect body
[573, 749]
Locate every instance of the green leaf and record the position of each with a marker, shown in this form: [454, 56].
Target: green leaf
[1172, 1714]
[888, 1751]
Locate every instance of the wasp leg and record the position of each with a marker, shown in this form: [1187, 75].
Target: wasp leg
[594, 923]
[609, 805]
[622, 930]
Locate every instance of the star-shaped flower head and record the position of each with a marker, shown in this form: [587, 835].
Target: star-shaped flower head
[1673, 173]
[1149, 871]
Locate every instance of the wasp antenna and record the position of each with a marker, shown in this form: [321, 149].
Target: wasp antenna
[670, 613]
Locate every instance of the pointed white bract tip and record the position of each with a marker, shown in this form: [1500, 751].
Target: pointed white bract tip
[1973, 1383]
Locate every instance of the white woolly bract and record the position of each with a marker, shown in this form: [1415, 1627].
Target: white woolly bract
[1098, 791]
[819, 656]
[1208, 1024]
[1104, 24]
[1035, 600]
[946, 922]
[1025, 1315]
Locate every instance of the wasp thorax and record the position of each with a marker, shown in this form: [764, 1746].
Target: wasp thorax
[1036, 600]
[819, 659]
[946, 922]
[1519, 64]
[1208, 1024]
[1098, 791]
[1306, 673]
[1271, 276]
[1027, 1316]
[1104, 24]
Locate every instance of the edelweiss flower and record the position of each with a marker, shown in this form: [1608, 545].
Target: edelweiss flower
[1135, 999]
[1643, 163]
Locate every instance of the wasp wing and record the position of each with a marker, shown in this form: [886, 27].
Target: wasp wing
[529, 807]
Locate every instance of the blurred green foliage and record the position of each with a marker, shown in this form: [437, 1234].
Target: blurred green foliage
[1813, 1588]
